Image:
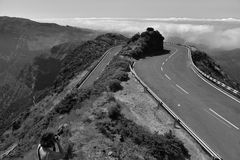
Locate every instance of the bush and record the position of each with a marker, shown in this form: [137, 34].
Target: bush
[120, 75]
[18, 122]
[84, 93]
[66, 104]
[114, 112]
[134, 38]
[112, 76]
[16, 125]
[159, 146]
[114, 85]
[122, 64]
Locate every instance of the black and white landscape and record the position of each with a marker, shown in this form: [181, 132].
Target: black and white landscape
[120, 80]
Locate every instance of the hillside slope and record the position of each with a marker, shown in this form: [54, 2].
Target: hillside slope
[209, 66]
[93, 120]
[26, 59]
[54, 77]
[21, 40]
[229, 61]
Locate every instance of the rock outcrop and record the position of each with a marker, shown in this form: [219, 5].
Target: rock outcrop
[147, 43]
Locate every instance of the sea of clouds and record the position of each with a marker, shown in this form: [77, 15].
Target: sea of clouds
[212, 33]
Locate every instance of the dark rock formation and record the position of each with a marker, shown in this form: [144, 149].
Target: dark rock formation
[147, 43]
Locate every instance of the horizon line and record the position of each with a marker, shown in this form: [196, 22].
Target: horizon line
[148, 19]
[230, 19]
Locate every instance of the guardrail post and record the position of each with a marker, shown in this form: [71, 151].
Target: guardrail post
[176, 118]
[176, 123]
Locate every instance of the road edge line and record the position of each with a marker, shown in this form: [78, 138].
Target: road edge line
[210, 151]
[207, 78]
[94, 68]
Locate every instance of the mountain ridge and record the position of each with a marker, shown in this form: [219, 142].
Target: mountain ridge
[23, 44]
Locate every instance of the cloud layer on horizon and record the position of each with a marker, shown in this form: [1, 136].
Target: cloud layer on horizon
[214, 33]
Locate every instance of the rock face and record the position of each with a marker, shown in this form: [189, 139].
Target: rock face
[154, 39]
[147, 43]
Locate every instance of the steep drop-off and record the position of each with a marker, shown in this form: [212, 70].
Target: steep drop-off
[208, 65]
[22, 75]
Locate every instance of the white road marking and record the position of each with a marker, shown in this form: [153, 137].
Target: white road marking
[223, 119]
[177, 89]
[217, 118]
[167, 77]
[173, 53]
[161, 69]
[230, 96]
[179, 105]
[163, 63]
[166, 60]
[182, 89]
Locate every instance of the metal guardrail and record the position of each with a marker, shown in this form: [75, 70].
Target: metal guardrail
[213, 80]
[213, 154]
[9, 149]
[79, 85]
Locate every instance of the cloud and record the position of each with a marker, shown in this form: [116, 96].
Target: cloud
[214, 33]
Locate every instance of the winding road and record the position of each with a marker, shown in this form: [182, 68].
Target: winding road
[97, 71]
[211, 114]
[89, 80]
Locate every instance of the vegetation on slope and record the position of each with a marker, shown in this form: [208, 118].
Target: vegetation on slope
[209, 66]
[31, 122]
[229, 61]
[148, 43]
[100, 130]
[113, 124]
[53, 74]
[83, 56]
[21, 41]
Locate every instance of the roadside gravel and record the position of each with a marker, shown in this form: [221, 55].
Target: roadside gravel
[140, 107]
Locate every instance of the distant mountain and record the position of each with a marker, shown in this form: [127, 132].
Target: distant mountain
[50, 74]
[229, 61]
[22, 39]
[26, 59]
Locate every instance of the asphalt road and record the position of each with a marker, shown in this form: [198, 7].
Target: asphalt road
[212, 115]
[101, 66]
[108, 55]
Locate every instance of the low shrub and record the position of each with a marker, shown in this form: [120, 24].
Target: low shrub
[159, 146]
[121, 76]
[113, 75]
[114, 112]
[114, 85]
[18, 122]
[84, 93]
[16, 125]
[67, 104]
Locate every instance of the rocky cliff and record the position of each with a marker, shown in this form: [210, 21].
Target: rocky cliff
[147, 43]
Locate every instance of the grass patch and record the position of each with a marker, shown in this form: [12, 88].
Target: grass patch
[165, 146]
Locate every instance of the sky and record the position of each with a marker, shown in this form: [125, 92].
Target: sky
[213, 23]
[121, 8]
